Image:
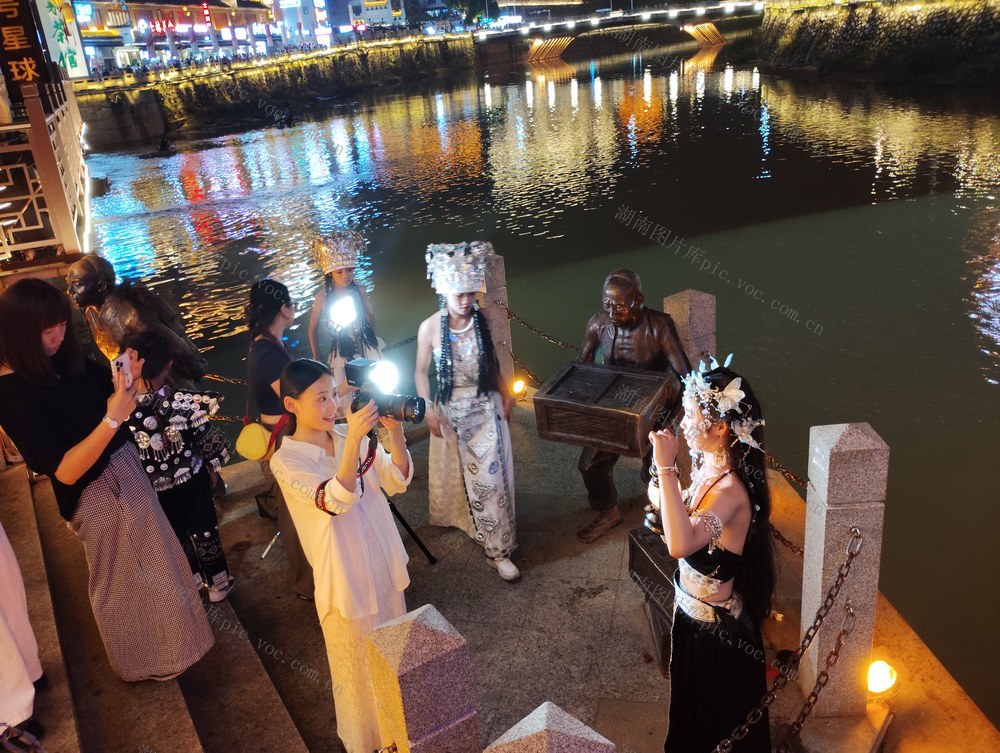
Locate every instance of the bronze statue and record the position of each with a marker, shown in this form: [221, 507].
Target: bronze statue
[628, 334]
[114, 312]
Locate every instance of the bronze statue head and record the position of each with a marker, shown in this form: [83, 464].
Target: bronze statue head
[90, 280]
[623, 298]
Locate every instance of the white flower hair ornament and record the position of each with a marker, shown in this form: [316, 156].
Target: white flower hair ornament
[697, 391]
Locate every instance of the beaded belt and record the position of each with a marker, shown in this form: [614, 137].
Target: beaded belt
[704, 611]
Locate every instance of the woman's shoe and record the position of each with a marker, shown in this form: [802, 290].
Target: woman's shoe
[219, 593]
[507, 569]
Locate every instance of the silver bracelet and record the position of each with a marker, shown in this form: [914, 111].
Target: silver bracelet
[667, 470]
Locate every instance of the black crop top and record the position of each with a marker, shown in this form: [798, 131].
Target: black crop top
[267, 359]
[45, 421]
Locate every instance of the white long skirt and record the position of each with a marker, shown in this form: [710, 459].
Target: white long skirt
[353, 695]
[19, 665]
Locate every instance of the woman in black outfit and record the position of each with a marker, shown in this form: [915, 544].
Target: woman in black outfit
[270, 312]
[67, 420]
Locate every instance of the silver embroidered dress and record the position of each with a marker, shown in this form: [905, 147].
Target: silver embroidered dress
[471, 481]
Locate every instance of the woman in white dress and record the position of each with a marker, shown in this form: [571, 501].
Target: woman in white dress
[335, 481]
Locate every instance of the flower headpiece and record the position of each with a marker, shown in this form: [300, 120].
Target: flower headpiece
[338, 250]
[698, 392]
[458, 267]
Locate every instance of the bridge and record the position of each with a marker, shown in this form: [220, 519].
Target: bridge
[648, 27]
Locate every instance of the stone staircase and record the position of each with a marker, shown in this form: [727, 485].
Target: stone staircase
[226, 702]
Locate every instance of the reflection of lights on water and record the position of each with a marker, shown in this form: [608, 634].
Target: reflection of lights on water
[755, 78]
[597, 92]
[727, 80]
[674, 87]
[489, 96]
[529, 93]
[647, 87]
[552, 93]
[765, 140]
[574, 94]
[699, 85]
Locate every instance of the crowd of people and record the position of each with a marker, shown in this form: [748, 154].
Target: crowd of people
[134, 464]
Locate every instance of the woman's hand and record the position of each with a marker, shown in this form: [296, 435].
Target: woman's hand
[434, 421]
[361, 421]
[122, 401]
[665, 447]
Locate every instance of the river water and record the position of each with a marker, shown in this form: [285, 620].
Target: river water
[850, 235]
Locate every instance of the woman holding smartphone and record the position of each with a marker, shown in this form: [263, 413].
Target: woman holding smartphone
[67, 419]
[335, 481]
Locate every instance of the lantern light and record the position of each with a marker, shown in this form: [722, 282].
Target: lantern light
[881, 677]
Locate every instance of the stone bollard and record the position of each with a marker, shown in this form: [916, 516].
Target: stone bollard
[694, 314]
[424, 689]
[549, 729]
[496, 317]
[848, 470]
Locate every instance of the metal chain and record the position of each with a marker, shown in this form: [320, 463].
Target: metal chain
[788, 544]
[227, 380]
[225, 418]
[756, 714]
[521, 364]
[400, 344]
[824, 677]
[533, 328]
[785, 472]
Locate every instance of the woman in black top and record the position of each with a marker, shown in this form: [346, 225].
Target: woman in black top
[67, 420]
[270, 312]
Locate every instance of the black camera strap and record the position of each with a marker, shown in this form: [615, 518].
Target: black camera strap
[365, 465]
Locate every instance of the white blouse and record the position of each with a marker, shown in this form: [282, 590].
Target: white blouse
[334, 544]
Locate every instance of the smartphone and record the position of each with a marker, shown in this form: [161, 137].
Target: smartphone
[122, 369]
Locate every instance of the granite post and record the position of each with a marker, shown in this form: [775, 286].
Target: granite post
[496, 317]
[549, 729]
[694, 314]
[424, 688]
[848, 470]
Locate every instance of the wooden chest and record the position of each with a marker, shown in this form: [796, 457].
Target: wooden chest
[609, 408]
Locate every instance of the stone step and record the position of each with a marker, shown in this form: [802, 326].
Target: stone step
[53, 706]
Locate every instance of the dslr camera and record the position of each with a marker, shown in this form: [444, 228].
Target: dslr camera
[376, 381]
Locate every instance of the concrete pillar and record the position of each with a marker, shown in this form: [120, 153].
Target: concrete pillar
[422, 675]
[549, 729]
[694, 314]
[848, 469]
[496, 317]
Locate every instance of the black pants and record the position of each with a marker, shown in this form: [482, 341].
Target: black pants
[598, 470]
[190, 508]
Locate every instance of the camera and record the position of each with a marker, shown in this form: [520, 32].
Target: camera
[375, 380]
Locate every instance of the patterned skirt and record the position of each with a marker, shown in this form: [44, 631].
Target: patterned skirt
[148, 612]
[471, 472]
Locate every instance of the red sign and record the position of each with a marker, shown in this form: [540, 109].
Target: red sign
[205, 12]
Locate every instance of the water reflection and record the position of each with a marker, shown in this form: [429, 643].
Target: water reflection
[539, 163]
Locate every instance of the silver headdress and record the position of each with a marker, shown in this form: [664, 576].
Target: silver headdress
[339, 250]
[698, 392]
[458, 267]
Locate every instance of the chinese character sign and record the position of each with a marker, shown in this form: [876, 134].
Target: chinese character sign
[62, 36]
[21, 54]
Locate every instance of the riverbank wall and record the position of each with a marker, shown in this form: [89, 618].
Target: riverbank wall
[139, 108]
[951, 40]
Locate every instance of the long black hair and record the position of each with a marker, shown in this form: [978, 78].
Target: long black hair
[296, 378]
[350, 342]
[489, 366]
[28, 308]
[755, 576]
[267, 296]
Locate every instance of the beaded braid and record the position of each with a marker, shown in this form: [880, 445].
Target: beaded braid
[445, 373]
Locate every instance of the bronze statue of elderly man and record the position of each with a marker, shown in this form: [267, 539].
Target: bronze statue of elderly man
[114, 312]
[627, 334]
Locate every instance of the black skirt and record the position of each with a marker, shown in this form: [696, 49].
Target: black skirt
[717, 676]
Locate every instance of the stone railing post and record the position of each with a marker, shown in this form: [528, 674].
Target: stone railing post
[496, 317]
[694, 314]
[423, 682]
[848, 470]
[549, 729]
